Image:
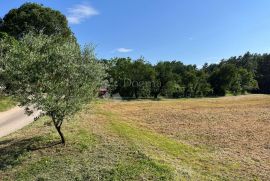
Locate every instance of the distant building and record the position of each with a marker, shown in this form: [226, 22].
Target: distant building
[103, 93]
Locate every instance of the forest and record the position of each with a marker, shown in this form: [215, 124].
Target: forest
[249, 73]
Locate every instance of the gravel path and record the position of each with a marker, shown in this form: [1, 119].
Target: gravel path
[14, 119]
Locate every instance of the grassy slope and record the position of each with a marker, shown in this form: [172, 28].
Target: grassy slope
[93, 152]
[6, 103]
[105, 145]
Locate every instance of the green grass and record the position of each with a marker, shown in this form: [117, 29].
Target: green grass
[141, 167]
[6, 103]
[188, 162]
[90, 154]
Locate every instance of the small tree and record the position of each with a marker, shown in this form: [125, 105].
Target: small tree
[51, 74]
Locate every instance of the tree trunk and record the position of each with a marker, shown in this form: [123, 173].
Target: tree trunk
[58, 128]
[57, 125]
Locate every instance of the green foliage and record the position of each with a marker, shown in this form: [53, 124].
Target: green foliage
[3, 35]
[247, 80]
[223, 78]
[173, 90]
[256, 79]
[130, 78]
[263, 73]
[141, 76]
[32, 17]
[6, 43]
[164, 75]
[52, 74]
[119, 73]
[171, 79]
[227, 78]
[203, 87]
[6, 103]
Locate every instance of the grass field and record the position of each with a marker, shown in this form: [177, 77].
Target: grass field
[6, 103]
[188, 139]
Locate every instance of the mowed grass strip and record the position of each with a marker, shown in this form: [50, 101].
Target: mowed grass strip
[187, 161]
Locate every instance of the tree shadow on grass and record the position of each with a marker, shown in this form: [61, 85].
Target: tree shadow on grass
[12, 151]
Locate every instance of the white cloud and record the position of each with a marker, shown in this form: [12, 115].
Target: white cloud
[80, 12]
[124, 50]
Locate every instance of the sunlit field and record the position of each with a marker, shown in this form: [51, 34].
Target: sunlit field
[186, 139]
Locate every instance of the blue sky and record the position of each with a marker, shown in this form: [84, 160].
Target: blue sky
[192, 31]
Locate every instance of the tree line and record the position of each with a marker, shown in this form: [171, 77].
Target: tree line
[249, 73]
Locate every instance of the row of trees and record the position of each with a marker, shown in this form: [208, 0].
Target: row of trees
[237, 75]
[140, 79]
[258, 65]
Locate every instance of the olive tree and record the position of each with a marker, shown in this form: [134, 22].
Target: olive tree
[51, 74]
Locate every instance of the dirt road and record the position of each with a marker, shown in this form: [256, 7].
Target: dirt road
[14, 119]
